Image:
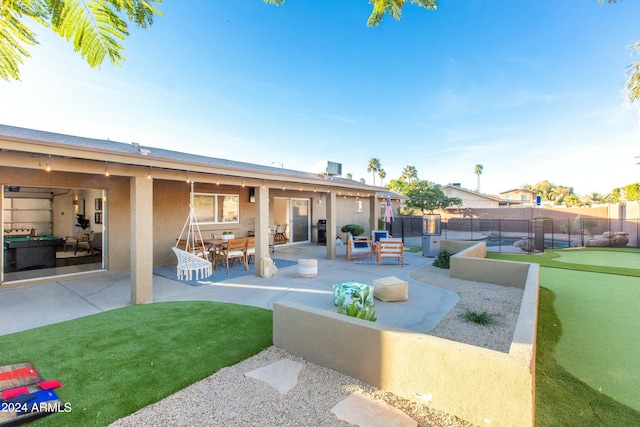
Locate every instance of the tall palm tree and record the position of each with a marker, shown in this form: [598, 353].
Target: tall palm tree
[95, 27]
[373, 167]
[409, 173]
[382, 174]
[478, 171]
[349, 176]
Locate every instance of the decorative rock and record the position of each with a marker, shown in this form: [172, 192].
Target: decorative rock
[525, 245]
[609, 238]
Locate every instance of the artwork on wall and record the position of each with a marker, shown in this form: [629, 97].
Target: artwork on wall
[98, 218]
[98, 204]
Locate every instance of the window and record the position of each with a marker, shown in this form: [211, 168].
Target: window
[524, 197]
[358, 206]
[217, 208]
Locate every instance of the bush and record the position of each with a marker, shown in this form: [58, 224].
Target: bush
[483, 318]
[354, 229]
[443, 260]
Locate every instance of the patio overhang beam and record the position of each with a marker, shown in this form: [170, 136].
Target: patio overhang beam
[80, 160]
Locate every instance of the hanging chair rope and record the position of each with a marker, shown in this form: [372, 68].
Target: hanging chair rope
[193, 257]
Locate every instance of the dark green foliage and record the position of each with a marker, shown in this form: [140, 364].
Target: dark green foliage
[354, 229]
[443, 260]
[354, 310]
[483, 318]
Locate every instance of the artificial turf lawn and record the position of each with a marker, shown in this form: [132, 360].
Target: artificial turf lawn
[593, 337]
[116, 362]
[561, 398]
[601, 339]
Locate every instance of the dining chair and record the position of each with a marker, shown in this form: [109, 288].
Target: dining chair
[281, 233]
[251, 249]
[234, 249]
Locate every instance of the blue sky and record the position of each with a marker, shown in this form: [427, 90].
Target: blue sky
[531, 90]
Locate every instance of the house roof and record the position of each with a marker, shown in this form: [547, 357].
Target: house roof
[137, 154]
[519, 190]
[474, 193]
[392, 194]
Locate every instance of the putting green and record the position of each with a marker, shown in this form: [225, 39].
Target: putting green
[600, 317]
[603, 258]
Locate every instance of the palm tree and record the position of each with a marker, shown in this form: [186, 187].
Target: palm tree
[558, 193]
[382, 7]
[409, 173]
[349, 176]
[596, 198]
[373, 167]
[95, 27]
[478, 171]
[363, 181]
[382, 174]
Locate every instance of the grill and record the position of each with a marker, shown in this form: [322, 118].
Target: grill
[322, 231]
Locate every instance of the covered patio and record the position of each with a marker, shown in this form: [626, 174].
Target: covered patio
[72, 297]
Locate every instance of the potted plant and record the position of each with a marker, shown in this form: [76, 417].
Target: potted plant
[228, 235]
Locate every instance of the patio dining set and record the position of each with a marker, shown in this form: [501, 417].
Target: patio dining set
[221, 250]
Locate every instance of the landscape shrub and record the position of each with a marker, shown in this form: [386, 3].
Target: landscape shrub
[354, 229]
[443, 260]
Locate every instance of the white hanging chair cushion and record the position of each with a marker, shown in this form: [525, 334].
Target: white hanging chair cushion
[189, 263]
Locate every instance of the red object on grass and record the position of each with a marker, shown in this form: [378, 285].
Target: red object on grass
[13, 392]
[49, 384]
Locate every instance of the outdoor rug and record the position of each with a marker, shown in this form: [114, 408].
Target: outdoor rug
[24, 394]
[219, 274]
[385, 261]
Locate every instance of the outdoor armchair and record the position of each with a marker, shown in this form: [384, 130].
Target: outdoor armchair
[359, 247]
[390, 248]
[376, 235]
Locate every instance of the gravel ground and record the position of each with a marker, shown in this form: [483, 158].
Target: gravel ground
[228, 398]
[502, 303]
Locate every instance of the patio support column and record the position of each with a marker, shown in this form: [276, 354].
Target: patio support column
[141, 195]
[373, 212]
[331, 207]
[262, 226]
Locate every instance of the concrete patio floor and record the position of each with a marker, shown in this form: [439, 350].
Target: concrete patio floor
[33, 305]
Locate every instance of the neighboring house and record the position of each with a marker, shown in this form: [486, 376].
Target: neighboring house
[137, 198]
[525, 197]
[470, 198]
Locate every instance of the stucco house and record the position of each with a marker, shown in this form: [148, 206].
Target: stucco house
[471, 199]
[525, 197]
[136, 199]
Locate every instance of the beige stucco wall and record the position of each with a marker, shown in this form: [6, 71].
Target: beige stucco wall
[482, 386]
[469, 263]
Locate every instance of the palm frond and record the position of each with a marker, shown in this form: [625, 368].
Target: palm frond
[394, 8]
[632, 88]
[140, 12]
[93, 26]
[14, 36]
